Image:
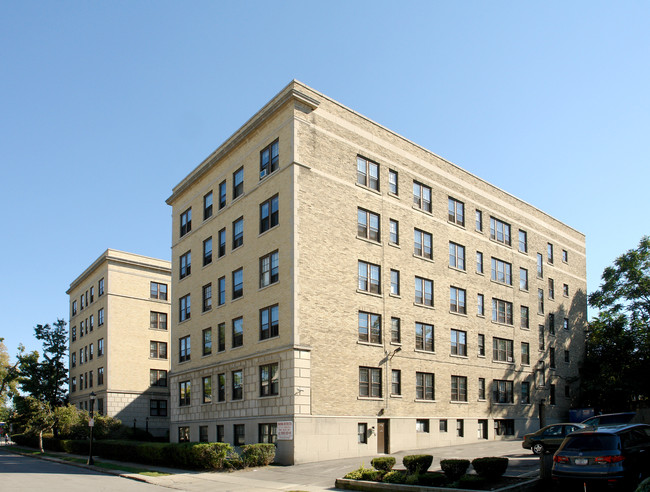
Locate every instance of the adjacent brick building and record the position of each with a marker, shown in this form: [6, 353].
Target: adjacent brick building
[119, 338]
[342, 291]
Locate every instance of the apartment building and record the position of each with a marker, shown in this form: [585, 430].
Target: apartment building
[119, 338]
[342, 291]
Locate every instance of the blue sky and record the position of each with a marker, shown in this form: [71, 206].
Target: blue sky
[105, 106]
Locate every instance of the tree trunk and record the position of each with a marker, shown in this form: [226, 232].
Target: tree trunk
[40, 441]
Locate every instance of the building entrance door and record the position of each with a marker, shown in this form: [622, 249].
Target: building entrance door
[383, 436]
[482, 429]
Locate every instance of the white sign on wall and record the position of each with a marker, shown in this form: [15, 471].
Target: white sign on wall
[285, 431]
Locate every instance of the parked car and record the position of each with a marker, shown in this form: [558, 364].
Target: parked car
[610, 419]
[549, 438]
[611, 455]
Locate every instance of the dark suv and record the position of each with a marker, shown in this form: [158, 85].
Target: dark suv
[615, 456]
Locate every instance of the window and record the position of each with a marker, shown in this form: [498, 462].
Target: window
[184, 349]
[184, 311]
[504, 427]
[221, 388]
[540, 301]
[567, 357]
[268, 433]
[92, 322]
[186, 221]
[185, 264]
[100, 287]
[460, 427]
[92, 293]
[207, 389]
[525, 353]
[456, 212]
[481, 388]
[424, 337]
[542, 342]
[422, 425]
[499, 231]
[100, 376]
[443, 425]
[549, 252]
[207, 297]
[525, 392]
[551, 288]
[238, 183]
[368, 225]
[237, 385]
[541, 375]
[480, 305]
[184, 393]
[100, 347]
[551, 324]
[158, 291]
[551, 357]
[565, 323]
[238, 283]
[207, 251]
[239, 431]
[458, 388]
[540, 266]
[222, 195]
[237, 332]
[524, 317]
[393, 182]
[424, 386]
[501, 271]
[456, 256]
[158, 350]
[269, 322]
[423, 291]
[565, 256]
[422, 196]
[523, 241]
[393, 234]
[221, 337]
[362, 433]
[502, 350]
[238, 233]
[481, 345]
[221, 284]
[501, 311]
[367, 173]
[222, 243]
[457, 300]
[203, 433]
[269, 384]
[269, 214]
[479, 221]
[479, 262]
[184, 434]
[458, 342]
[523, 279]
[395, 330]
[503, 391]
[74, 308]
[158, 408]
[394, 282]
[158, 377]
[269, 159]
[73, 333]
[207, 341]
[370, 382]
[369, 327]
[91, 347]
[422, 244]
[90, 379]
[73, 359]
[269, 269]
[565, 290]
[207, 206]
[396, 382]
[369, 277]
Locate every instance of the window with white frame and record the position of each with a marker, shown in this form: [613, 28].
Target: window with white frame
[367, 173]
[422, 196]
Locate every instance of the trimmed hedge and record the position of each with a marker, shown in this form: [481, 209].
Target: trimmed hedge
[260, 454]
[416, 463]
[454, 468]
[383, 463]
[490, 468]
[394, 476]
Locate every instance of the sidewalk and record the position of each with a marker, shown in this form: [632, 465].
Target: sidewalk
[311, 477]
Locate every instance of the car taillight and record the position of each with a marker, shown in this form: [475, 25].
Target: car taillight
[609, 459]
[560, 459]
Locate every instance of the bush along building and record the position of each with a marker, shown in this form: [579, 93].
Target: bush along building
[119, 338]
[342, 291]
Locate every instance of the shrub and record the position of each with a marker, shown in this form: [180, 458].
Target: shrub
[644, 486]
[471, 482]
[260, 454]
[432, 479]
[490, 468]
[454, 469]
[233, 461]
[412, 479]
[364, 474]
[415, 463]
[394, 476]
[383, 463]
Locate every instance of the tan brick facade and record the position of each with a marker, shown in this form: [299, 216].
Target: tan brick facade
[322, 355]
[111, 335]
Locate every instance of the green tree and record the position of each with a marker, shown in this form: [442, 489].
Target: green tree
[53, 370]
[11, 373]
[34, 416]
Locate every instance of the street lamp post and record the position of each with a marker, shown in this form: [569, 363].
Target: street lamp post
[91, 424]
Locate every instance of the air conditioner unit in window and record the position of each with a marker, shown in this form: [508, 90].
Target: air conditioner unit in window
[263, 173]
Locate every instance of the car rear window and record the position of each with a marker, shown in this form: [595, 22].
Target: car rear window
[586, 442]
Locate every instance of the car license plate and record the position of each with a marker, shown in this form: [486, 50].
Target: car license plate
[581, 461]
